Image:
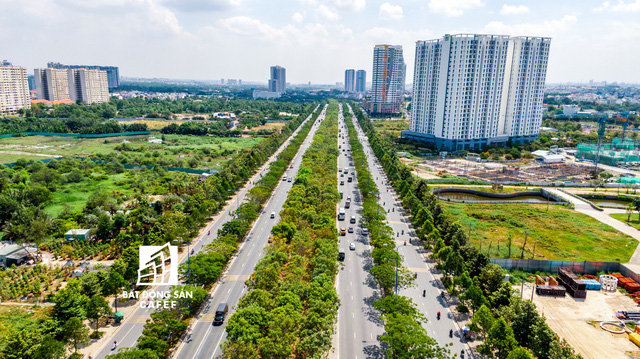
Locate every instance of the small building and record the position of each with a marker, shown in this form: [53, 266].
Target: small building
[551, 158]
[17, 258]
[6, 251]
[74, 234]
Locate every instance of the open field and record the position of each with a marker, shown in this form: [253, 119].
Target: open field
[559, 233]
[75, 195]
[269, 126]
[622, 217]
[202, 152]
[19, 317]
[391, 128]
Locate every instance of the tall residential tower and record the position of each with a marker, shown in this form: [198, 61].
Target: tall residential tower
[14, 89]
[113, 72]
[389, 71]
[350, 80]
[471, 90]
[278, 80]
[361, 81]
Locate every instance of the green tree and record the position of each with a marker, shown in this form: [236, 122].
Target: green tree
[500, 341]
[483, 319]
[97, 308]
[205, 268]
[69, 302]
[473, 298]
[75, 333]
[130, 353]
[520, 353]
[407, 338]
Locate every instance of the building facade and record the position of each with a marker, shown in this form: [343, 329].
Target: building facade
[113, 72]
[389, 71]
[14, 89]
[361, 81]
[52, 84]
[278, 80]
[350, 80]
[471, 90]
[88, 85]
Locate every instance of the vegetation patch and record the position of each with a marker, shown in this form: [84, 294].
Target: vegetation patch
[557, 233]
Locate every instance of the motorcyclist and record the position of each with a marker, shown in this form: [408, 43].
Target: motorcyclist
[438, 315]
[424, 293]
[450, 333]
[115, 345]
[403, 231]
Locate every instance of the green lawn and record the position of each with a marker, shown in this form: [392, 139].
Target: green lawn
[559, 233]
[19, 317]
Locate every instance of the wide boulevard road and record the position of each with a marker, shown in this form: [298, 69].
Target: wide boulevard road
[432, 303]
[359, 323]
[205, 339]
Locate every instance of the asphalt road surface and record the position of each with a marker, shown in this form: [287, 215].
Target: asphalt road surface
[359, 324]
[205, 339]
[432, 303]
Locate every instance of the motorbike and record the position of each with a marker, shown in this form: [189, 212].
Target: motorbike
[438, 315]
[424, 293]
[450, 333]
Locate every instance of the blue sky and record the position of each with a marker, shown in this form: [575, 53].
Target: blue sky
[315, 40]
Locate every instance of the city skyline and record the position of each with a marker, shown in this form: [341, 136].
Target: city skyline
[153, 38]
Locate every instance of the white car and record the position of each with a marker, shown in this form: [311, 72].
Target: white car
[352, 247]
[273, 215]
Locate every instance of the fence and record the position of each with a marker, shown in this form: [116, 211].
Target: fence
[578, 267]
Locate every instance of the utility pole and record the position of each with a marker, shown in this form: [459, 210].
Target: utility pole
[397, 259]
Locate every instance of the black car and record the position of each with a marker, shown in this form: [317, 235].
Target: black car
[341, 256]
[221, 312]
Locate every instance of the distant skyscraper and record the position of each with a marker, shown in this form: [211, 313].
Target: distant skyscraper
[389, 72]
[88, 85]
[470, 90]
[350, 80]
[278, 80]
[52, 84]
[14, 89]
[113, 72]
[361, 81]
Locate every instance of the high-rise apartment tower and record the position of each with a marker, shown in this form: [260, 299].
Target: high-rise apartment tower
[113, 72]
[471, 90]
[88, 85]
[389, 71]
[52, 84]
[278, 80]
[361, 81]
[350, 80]
[14, 89]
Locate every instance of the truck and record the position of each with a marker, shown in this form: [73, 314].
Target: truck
[341, 214]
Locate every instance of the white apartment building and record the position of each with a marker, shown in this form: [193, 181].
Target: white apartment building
[14, 89]
[472, 90]
[52, 84]
[389, 73]
[90, 86]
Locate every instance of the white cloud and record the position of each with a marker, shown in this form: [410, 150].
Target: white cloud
[453, 7]
[201, 5]
[513, 9]
[297, 18]
[327, 13]
[390, 12]
[546, 28]
[620, 6]
[354, 5]
[625, 30]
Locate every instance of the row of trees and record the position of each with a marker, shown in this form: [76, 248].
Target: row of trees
[166, 326]
[404, 334]
[292, 303]
[467, 272]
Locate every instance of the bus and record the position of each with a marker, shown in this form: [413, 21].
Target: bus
[341, 214]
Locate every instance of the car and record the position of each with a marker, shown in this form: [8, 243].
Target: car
[290, 179]
[291, 166]
[221, 312]
[273, 215]
[353, 219]
[341, 183]
[270, 240]
[284, 178]
[341, 256]
[350, 230]
[343, 231]
[365, 232]
[352, 246]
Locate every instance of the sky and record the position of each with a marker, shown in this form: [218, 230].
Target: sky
[315, 40]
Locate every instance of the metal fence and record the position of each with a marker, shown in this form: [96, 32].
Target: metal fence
[579, 267]
[78, 135]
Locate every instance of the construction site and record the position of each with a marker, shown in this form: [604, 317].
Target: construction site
[501, 173]
[617, 152]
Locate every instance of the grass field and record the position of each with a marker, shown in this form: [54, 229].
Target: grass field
[391, 128]
[152, 124]
[559, 233]
[176, 151]
[75, 195]
[19, 317]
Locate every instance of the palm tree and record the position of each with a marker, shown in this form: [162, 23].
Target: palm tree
[630, 209]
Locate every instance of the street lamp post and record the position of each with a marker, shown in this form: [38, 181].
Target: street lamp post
[397, 260]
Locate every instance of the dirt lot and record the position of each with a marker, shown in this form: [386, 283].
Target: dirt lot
[569, 318]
